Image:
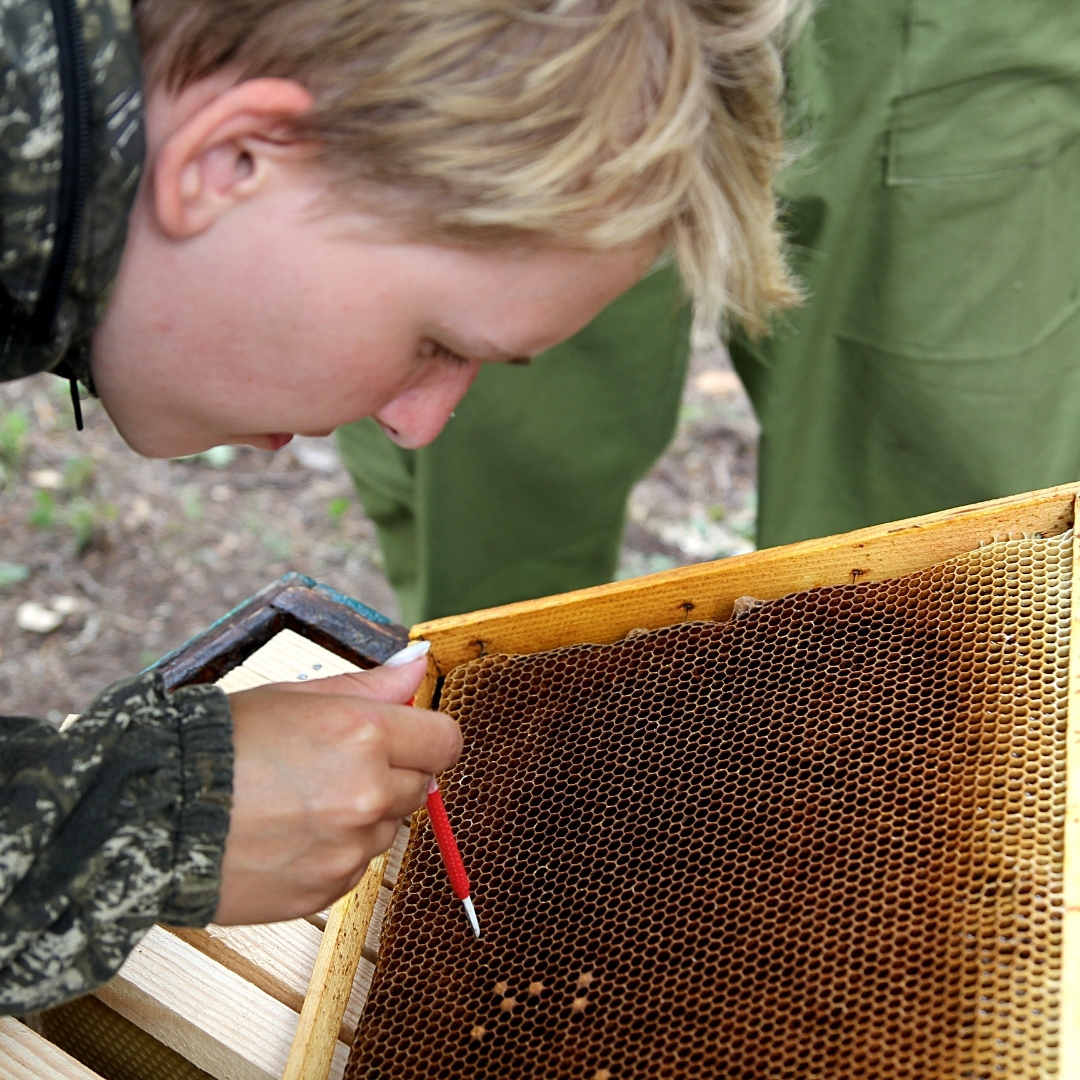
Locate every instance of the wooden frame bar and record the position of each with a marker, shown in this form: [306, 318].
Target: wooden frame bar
[1069, 1022]
[25, 1055]
[316, 1040]
[708, 591]
[164, 988]
[294, 602]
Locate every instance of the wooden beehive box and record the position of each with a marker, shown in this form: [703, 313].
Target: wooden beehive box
[603, 615]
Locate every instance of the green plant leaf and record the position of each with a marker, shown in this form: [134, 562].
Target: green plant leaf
[191, 502]
[12, 573]
[77, 472]
[13, 428]
[43, 513]
[81, 517]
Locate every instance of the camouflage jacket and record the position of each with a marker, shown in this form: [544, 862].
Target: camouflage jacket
[119, 822]
[71, 149]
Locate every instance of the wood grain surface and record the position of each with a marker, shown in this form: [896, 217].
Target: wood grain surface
[709, 590]
[1070, 957]
[202, 1010]
[25, 1055]
[316, 1038]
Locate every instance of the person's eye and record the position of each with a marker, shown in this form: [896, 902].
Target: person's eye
[435, 350]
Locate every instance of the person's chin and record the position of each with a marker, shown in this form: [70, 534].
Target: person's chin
[150, 442]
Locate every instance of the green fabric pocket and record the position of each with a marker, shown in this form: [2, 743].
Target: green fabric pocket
[974, 251]
[985, 87]
[971, 269]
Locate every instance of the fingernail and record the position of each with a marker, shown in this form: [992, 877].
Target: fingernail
[413, 651]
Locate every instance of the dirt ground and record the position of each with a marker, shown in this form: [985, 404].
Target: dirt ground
[130, 557]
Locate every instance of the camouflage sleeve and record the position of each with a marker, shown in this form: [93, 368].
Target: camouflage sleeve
[113, 825]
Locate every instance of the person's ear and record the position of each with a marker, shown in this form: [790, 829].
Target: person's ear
[224, 153]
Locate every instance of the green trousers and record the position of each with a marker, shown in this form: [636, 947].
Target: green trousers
[935, 218]
[524, 492]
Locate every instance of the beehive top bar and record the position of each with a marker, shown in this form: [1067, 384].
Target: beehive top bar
[822, 839]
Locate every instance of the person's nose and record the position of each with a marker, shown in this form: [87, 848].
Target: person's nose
[415, 417]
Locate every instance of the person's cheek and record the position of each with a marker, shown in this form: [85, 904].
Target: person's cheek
[415, 418]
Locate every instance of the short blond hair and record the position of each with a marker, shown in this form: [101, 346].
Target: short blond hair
[595, 123]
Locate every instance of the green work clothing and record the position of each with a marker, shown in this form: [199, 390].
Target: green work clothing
[935, 217]
[524, 492]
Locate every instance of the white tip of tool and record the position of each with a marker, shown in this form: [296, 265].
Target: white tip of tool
[470, 914]
[413, 651]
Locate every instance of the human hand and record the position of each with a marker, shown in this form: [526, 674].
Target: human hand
[324, 773]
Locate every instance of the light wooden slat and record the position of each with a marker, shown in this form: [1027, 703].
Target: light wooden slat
[425, 692]
[287, 657]
[332, 980]
[201, 1009]
[365, 970]
[278, 958]
[362, 980]
[1069, 1024]
[25, 1055]
[240, 678]
[709, 590]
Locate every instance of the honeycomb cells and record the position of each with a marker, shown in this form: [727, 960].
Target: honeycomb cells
[824, 839]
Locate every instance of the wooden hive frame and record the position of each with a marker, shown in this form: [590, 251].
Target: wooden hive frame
[708, 591]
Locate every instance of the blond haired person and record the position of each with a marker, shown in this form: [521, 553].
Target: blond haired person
[345, 208]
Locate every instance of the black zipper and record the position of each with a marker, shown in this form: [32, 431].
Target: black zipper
[74, 170]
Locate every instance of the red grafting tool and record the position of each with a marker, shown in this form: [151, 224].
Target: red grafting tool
[451, 856]
[440, 822]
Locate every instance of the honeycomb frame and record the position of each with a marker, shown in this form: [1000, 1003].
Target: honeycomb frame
[895, 751]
